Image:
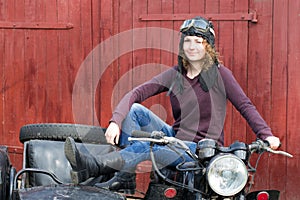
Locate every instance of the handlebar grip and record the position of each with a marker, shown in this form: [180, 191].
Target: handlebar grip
[141, 134]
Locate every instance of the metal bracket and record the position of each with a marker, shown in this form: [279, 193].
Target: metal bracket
[252, 17]
[35, 25]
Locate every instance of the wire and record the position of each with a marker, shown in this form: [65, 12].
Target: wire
[169, 180]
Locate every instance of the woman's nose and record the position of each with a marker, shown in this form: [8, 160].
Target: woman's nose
[192, 45]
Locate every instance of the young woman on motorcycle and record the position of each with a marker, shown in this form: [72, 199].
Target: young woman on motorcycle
[198, 88]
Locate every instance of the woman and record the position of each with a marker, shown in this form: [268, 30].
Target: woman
[198, 89]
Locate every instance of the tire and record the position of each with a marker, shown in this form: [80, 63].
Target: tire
[59, 132]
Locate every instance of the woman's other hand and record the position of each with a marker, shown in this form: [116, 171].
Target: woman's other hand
[112, 133]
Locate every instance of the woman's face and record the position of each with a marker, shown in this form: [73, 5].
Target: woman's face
[194, 48]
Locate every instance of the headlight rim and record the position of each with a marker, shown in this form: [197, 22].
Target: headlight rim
[218, 158]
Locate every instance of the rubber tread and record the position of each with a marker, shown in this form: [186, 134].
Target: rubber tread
[60, 131]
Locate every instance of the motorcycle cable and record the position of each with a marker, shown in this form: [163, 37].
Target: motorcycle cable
[253, 170]
[167, 179]
[183, 162]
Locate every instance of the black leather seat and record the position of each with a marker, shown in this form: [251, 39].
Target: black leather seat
[49, 155]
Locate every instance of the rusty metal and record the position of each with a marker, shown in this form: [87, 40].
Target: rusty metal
[252, 17]
[35, 25]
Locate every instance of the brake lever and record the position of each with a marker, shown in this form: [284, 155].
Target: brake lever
[268, 149]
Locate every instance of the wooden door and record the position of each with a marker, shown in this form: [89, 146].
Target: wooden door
[50, 49]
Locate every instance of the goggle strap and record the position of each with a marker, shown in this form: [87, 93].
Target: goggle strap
[212, 31]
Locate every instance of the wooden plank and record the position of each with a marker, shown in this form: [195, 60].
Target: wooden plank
[53, 108]
[66, 73]
[168, 58]
[125, 61]
[30, 65]
[259, 76]
[2, 75]
[40, 50]
[14, 67]
[197, 7]
[153, 56]
[239, 68]
[3, 10]
[100, 11]
[110, 76]
[212, 6]
[86, 44]
[226, 48]
[83, 97]
[293, 109]
[278, 178]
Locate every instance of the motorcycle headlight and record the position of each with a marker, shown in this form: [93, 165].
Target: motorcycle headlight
[227, 175]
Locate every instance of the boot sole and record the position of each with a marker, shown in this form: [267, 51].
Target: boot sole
[78, 177]
[69, 149]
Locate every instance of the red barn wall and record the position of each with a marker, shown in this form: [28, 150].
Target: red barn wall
[106, 47]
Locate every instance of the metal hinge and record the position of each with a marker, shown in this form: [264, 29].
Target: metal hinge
[252, 17]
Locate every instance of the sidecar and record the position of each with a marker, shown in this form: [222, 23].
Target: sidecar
[45, 172]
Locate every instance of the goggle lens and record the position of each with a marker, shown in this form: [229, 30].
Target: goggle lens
[198, 24]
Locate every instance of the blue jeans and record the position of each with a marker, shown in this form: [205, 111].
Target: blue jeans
[141, 118]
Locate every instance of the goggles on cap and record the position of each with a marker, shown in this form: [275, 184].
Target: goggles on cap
[198, 24]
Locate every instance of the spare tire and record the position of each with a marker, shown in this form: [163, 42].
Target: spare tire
[59, 132]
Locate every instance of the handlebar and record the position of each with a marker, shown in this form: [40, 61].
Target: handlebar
[143, 134]
[160, 138]
[156, 137]
[261, 146]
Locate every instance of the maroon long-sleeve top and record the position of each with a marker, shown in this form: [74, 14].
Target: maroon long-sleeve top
[197, 113]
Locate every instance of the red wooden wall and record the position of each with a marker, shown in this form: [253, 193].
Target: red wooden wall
[71, 61]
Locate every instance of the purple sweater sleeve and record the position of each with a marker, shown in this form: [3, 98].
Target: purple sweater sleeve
[243, 104]
[156, 85]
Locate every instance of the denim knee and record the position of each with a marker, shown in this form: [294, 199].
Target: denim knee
[140, 113]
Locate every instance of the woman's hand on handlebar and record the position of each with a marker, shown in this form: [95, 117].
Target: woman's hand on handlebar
[274, 142]
[112, 133]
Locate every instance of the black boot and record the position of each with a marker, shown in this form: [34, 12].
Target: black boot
[121, 182]
[85, 166]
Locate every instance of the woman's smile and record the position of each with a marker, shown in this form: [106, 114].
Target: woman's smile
[194, 48]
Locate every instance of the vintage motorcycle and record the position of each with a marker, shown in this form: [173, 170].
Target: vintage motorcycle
[216, 172]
